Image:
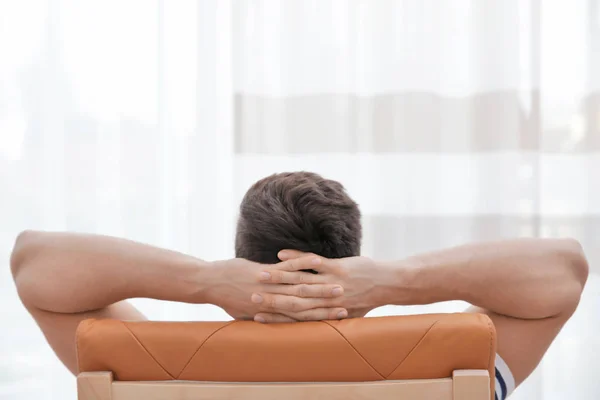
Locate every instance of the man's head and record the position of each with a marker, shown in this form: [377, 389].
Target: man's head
[301, 211]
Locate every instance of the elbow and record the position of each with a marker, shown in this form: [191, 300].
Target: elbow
[23, 250]
[576, 261]
[20, 250]
[576, 272]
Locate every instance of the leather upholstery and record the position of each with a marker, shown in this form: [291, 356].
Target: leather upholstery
[362, 349]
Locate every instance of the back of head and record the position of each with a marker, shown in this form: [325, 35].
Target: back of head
[297, 210]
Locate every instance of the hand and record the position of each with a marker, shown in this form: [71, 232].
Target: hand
[360, 277]
[236, 286]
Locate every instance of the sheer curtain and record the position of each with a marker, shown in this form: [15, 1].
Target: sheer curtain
[448, 121]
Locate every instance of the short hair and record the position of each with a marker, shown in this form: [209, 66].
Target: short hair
[301, 211]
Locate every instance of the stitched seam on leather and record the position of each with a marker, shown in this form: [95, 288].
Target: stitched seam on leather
[77, 333]
[199, 347]
[489, 324]
[354, 348]
[414, 348]
[77, 352]
[150, 354]
[492, 379]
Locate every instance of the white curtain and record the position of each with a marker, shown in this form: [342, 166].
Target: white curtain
[448, 121]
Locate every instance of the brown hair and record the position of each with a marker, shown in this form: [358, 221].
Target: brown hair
[297, 210]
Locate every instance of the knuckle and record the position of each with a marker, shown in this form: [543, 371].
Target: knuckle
[272, 301]
[294, 305]
[285, 266]
[301, 278]
[277, 276]
[292, 264]
[303, 290]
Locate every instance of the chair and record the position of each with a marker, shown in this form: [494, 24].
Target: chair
[417, 357]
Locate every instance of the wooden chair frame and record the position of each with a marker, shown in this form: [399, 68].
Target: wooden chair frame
[464, 385]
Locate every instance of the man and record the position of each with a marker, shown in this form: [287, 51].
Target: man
[291, 224]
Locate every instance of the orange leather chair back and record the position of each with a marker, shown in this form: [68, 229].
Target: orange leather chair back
[427, 346]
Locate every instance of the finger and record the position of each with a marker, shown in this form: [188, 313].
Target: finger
[268, 318]
[284, 255]
[319, 314]
[294, 260]
[309, 261]
[279, 303]
[271, 274]
[291, 278]
[306, 290]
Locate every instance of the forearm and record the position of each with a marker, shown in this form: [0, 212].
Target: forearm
[68, 273]
[531, 278]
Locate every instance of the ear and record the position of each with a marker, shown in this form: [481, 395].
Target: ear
[286, 254]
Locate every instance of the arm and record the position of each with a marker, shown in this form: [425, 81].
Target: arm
[52, 269]
[528, 287]
[523, 279]
[63, 278]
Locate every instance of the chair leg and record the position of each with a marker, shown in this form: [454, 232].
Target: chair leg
[94, 386]
[471, 385]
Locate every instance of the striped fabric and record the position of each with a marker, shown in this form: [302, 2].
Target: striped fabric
[505, 383]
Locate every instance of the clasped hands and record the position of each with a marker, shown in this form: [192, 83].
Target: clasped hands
[286, 292]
